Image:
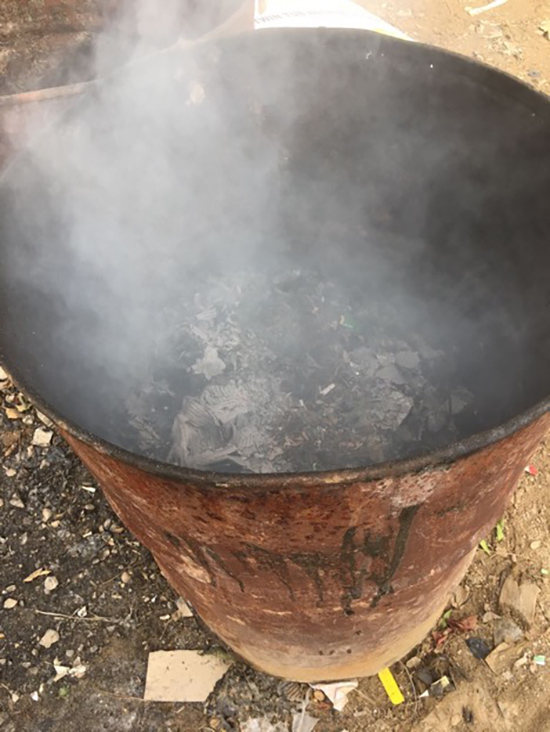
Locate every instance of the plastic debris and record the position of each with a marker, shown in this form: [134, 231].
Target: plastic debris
[438, 688]
[460, 596]
[183, 610]
[453, 625]
[182, 676]
[499, 531]
[484, 8]
[45, 420]
[304, 723]
[441, 686]
[485, 547]
[532, 470]
[262, 724]
[390, 685]
[545, 28]
[41, 437]
[338, 692]
[503, 657]
[539, 660]
[506, 631]
[78, 671]
[521, 600]
[544, 572]
[478, 648]
[444, 618]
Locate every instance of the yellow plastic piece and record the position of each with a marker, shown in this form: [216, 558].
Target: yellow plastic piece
[390, 685]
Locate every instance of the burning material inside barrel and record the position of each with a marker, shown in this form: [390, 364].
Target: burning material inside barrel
[292, 372]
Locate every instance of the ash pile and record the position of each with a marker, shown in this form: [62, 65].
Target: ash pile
[292, 372]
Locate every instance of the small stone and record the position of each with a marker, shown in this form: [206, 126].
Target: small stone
[10, 603]
[11, 588]
[49, 638]
[10, 472]
[46, 515]
[3, 374]
[318, 695]
[69, 653]
[456, 720]
[16, 501]
[125, 578]
[506, 631]
[535, 544]
[35, 696]
[50, 583]
[413, 663]
[489, 616]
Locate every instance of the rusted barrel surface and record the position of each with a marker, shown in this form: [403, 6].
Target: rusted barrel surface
[314, 581]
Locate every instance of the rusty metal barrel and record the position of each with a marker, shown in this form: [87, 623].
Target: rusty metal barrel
[313, 575]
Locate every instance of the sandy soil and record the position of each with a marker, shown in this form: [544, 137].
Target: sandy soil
[53, 518]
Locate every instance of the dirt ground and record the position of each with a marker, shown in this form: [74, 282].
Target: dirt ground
[105, 598]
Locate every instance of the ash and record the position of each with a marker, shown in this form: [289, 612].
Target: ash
[292, 372]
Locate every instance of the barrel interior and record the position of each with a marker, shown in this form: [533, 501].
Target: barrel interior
[338, 195]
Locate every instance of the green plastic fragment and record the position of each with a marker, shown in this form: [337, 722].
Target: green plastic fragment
[483, 545]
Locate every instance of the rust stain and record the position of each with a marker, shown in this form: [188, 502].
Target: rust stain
[319, 582]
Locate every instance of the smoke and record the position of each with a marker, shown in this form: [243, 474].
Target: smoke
[302, 151]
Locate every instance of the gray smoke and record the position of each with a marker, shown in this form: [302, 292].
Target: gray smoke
[241, 157]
